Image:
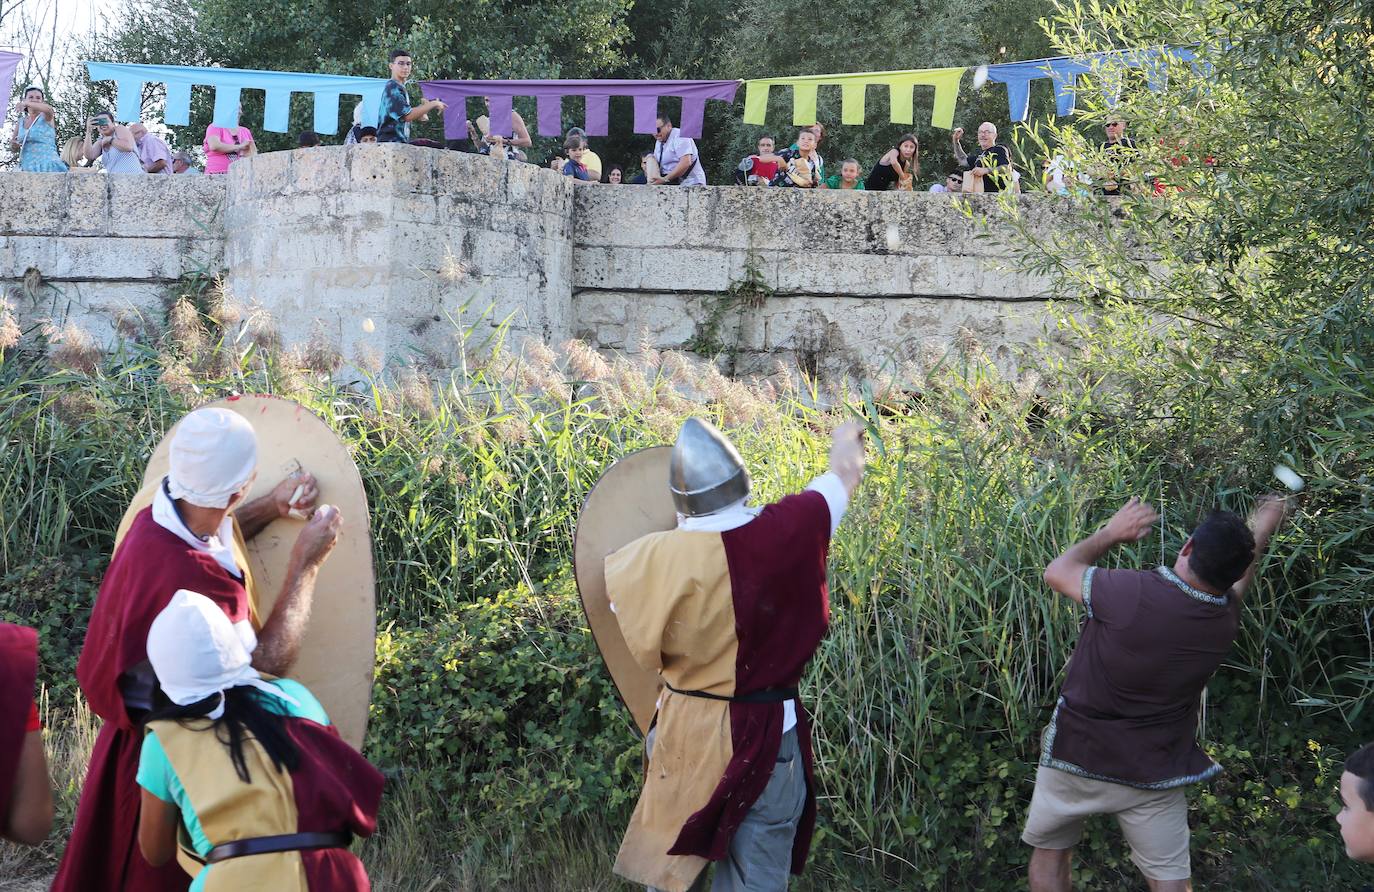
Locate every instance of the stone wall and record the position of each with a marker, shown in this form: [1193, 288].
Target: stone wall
[395, 250]
[852, 280]
[103, 251]
[421, 243]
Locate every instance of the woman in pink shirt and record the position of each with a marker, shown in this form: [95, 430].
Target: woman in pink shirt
[225, 145]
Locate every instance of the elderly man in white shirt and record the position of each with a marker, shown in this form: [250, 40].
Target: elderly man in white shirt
[675, 158]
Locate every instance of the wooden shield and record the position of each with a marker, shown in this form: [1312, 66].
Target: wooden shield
[339, 650]
[629, 501]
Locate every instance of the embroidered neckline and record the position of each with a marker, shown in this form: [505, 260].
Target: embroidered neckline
[1171, 576]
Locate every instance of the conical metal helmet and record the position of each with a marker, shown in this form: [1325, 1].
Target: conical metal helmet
[706, 472]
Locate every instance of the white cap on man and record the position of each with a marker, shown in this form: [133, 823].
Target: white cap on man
[213, 454]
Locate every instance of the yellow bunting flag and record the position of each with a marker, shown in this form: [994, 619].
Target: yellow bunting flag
[899, 83]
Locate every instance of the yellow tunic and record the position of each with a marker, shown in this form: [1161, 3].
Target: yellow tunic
[673, 601]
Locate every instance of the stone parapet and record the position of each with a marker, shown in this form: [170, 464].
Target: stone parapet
[853, 280]
[431, 247]
[100, 250]
[422, 244]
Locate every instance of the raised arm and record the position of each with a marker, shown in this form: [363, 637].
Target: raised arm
[89, 148]
[956, 135]
[1131, 523]
[1269, 512]
[123, 139]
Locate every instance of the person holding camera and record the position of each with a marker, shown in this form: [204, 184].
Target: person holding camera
[35, 137]
[116, 147]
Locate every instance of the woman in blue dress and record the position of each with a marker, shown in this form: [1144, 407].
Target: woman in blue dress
[35, 138]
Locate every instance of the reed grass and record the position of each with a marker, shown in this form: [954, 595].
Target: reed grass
[945, 648]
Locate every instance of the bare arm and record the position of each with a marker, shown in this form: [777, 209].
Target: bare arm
[421, 111]
[89, 148]
[1264, 520]
[157, 166]
[521, 140]
[218, 145]
[847, 458]
[28, 815]
[684, 164]
[254, 517]
[123, 139]
[157, 829]
[1131, 523]
[959, 154]
[279, 642]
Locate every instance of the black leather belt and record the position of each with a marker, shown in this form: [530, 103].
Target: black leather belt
[287, 842]
[767, 695]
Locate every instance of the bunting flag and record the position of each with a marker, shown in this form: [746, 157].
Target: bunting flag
[899, 83]
[549, 102]
[1064, 72]
[229, 83]
[9, 64]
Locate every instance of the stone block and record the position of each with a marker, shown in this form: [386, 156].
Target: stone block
[319, 169]
[88, 205]
[33, 203]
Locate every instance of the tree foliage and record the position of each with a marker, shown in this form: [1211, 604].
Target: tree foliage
[1232, 310]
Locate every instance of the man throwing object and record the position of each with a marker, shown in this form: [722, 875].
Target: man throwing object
[1123, 737]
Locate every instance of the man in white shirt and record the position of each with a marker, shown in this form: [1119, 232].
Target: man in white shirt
[675, 157]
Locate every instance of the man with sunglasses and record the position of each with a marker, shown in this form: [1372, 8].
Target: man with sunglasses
[396, 111]
[676, 162]
[954, 182]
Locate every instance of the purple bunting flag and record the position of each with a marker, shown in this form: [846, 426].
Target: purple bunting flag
[549, 102]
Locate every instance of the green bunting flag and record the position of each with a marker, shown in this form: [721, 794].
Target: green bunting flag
[899, 83]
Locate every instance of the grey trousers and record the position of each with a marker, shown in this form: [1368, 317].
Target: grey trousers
[760, 856]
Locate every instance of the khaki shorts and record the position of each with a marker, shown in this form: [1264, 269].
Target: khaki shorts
[1154, 822]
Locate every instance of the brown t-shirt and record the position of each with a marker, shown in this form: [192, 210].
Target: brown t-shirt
[1128, 710]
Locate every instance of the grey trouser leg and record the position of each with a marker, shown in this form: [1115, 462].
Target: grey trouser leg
[760, 856]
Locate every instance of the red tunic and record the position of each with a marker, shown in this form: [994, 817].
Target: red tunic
[148, 567]
[18, 670]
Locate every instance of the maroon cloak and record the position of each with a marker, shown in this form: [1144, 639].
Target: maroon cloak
[18, 670]
[148, 568]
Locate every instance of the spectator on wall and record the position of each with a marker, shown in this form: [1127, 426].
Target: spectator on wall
[35, 135]
[396, 111]
[675, 158]
[646, 164]
[954, 182]
[182, 162]
[308, 139]
[509, 147]
[367, 135]
[991, 164]
[616, 175]
[589, 158]
[801, 166]
[153, 152]
[225, 145]
[73, 155]
[115, 147]
[847, 178]
[1118, 150]
[760, 168]
[819, 130]
[575, 167]
[899, 166]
